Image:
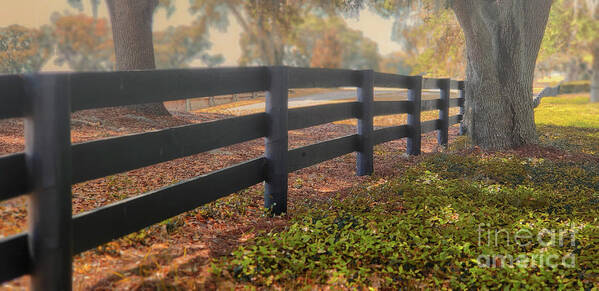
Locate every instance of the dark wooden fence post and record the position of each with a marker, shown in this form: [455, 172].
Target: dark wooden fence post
[462, 102]
[443, 133]
[48, 156]
[364, 163]
[415, 96]
[275, 190]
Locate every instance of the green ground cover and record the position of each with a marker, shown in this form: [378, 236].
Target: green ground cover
[452, 221]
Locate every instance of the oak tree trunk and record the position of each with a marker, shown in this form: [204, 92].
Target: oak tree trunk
[574, 70]
[503, 38]
[595, 77]
[132, 33]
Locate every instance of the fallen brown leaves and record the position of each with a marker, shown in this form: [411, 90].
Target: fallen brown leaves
[177, 253]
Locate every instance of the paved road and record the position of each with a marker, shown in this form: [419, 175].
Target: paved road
[325, 97]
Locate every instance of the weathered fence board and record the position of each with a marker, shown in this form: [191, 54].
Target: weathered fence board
[455, 119]
[392, 107]
[12, 96]
[15, 257]
[454, 85]
[323, 78]
[546, 92]
[104, 224]
[13, 178]
[303, 157]
[428, 126]
[106, 89]
[391, 133]
[304, 117]
[50, 163]
[433, 104]
[431, 83]
[454, 102]
[125, 153]
[391, 80]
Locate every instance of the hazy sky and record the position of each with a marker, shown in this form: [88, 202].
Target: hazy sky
[33, 13]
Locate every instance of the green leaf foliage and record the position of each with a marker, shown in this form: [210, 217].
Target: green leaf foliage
[428, 227]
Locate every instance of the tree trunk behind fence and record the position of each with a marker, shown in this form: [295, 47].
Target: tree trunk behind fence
[502, 43]
[595, 77]
[132, 33]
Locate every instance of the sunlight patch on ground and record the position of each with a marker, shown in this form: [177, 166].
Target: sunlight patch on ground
[568, 110]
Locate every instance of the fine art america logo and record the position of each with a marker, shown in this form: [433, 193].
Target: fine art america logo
[549, 243]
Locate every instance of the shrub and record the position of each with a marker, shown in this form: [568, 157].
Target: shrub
[575, 87]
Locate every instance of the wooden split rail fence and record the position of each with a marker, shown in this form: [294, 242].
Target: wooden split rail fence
[51, 164]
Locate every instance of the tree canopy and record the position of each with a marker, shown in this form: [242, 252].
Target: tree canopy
[177, 46]
[434, 44]
[286, 32]
[571, 36]
[84, 43]
[24, 49]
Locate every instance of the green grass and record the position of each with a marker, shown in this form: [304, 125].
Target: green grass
[572, 110]
[450, 222]
[569, 122]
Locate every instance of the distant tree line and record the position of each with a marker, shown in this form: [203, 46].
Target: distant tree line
[85, 43]
[495, 45]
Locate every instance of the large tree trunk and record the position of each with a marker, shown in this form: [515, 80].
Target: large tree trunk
[132, 33]
[595, 77]
[574, 69]
[503, 38]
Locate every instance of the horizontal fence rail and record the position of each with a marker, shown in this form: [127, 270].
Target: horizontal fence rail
[392, 107]
[391, 133]
[15, 260]
[48, 143]
[303, 157]
[546, 92]
[12, 96]
[309, 116]
[392, 81]
[431, 125]
[322, 78]
[112, 156]
[102, 225]
[13, 176]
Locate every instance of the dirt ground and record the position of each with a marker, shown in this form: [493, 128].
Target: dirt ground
[177, 253]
